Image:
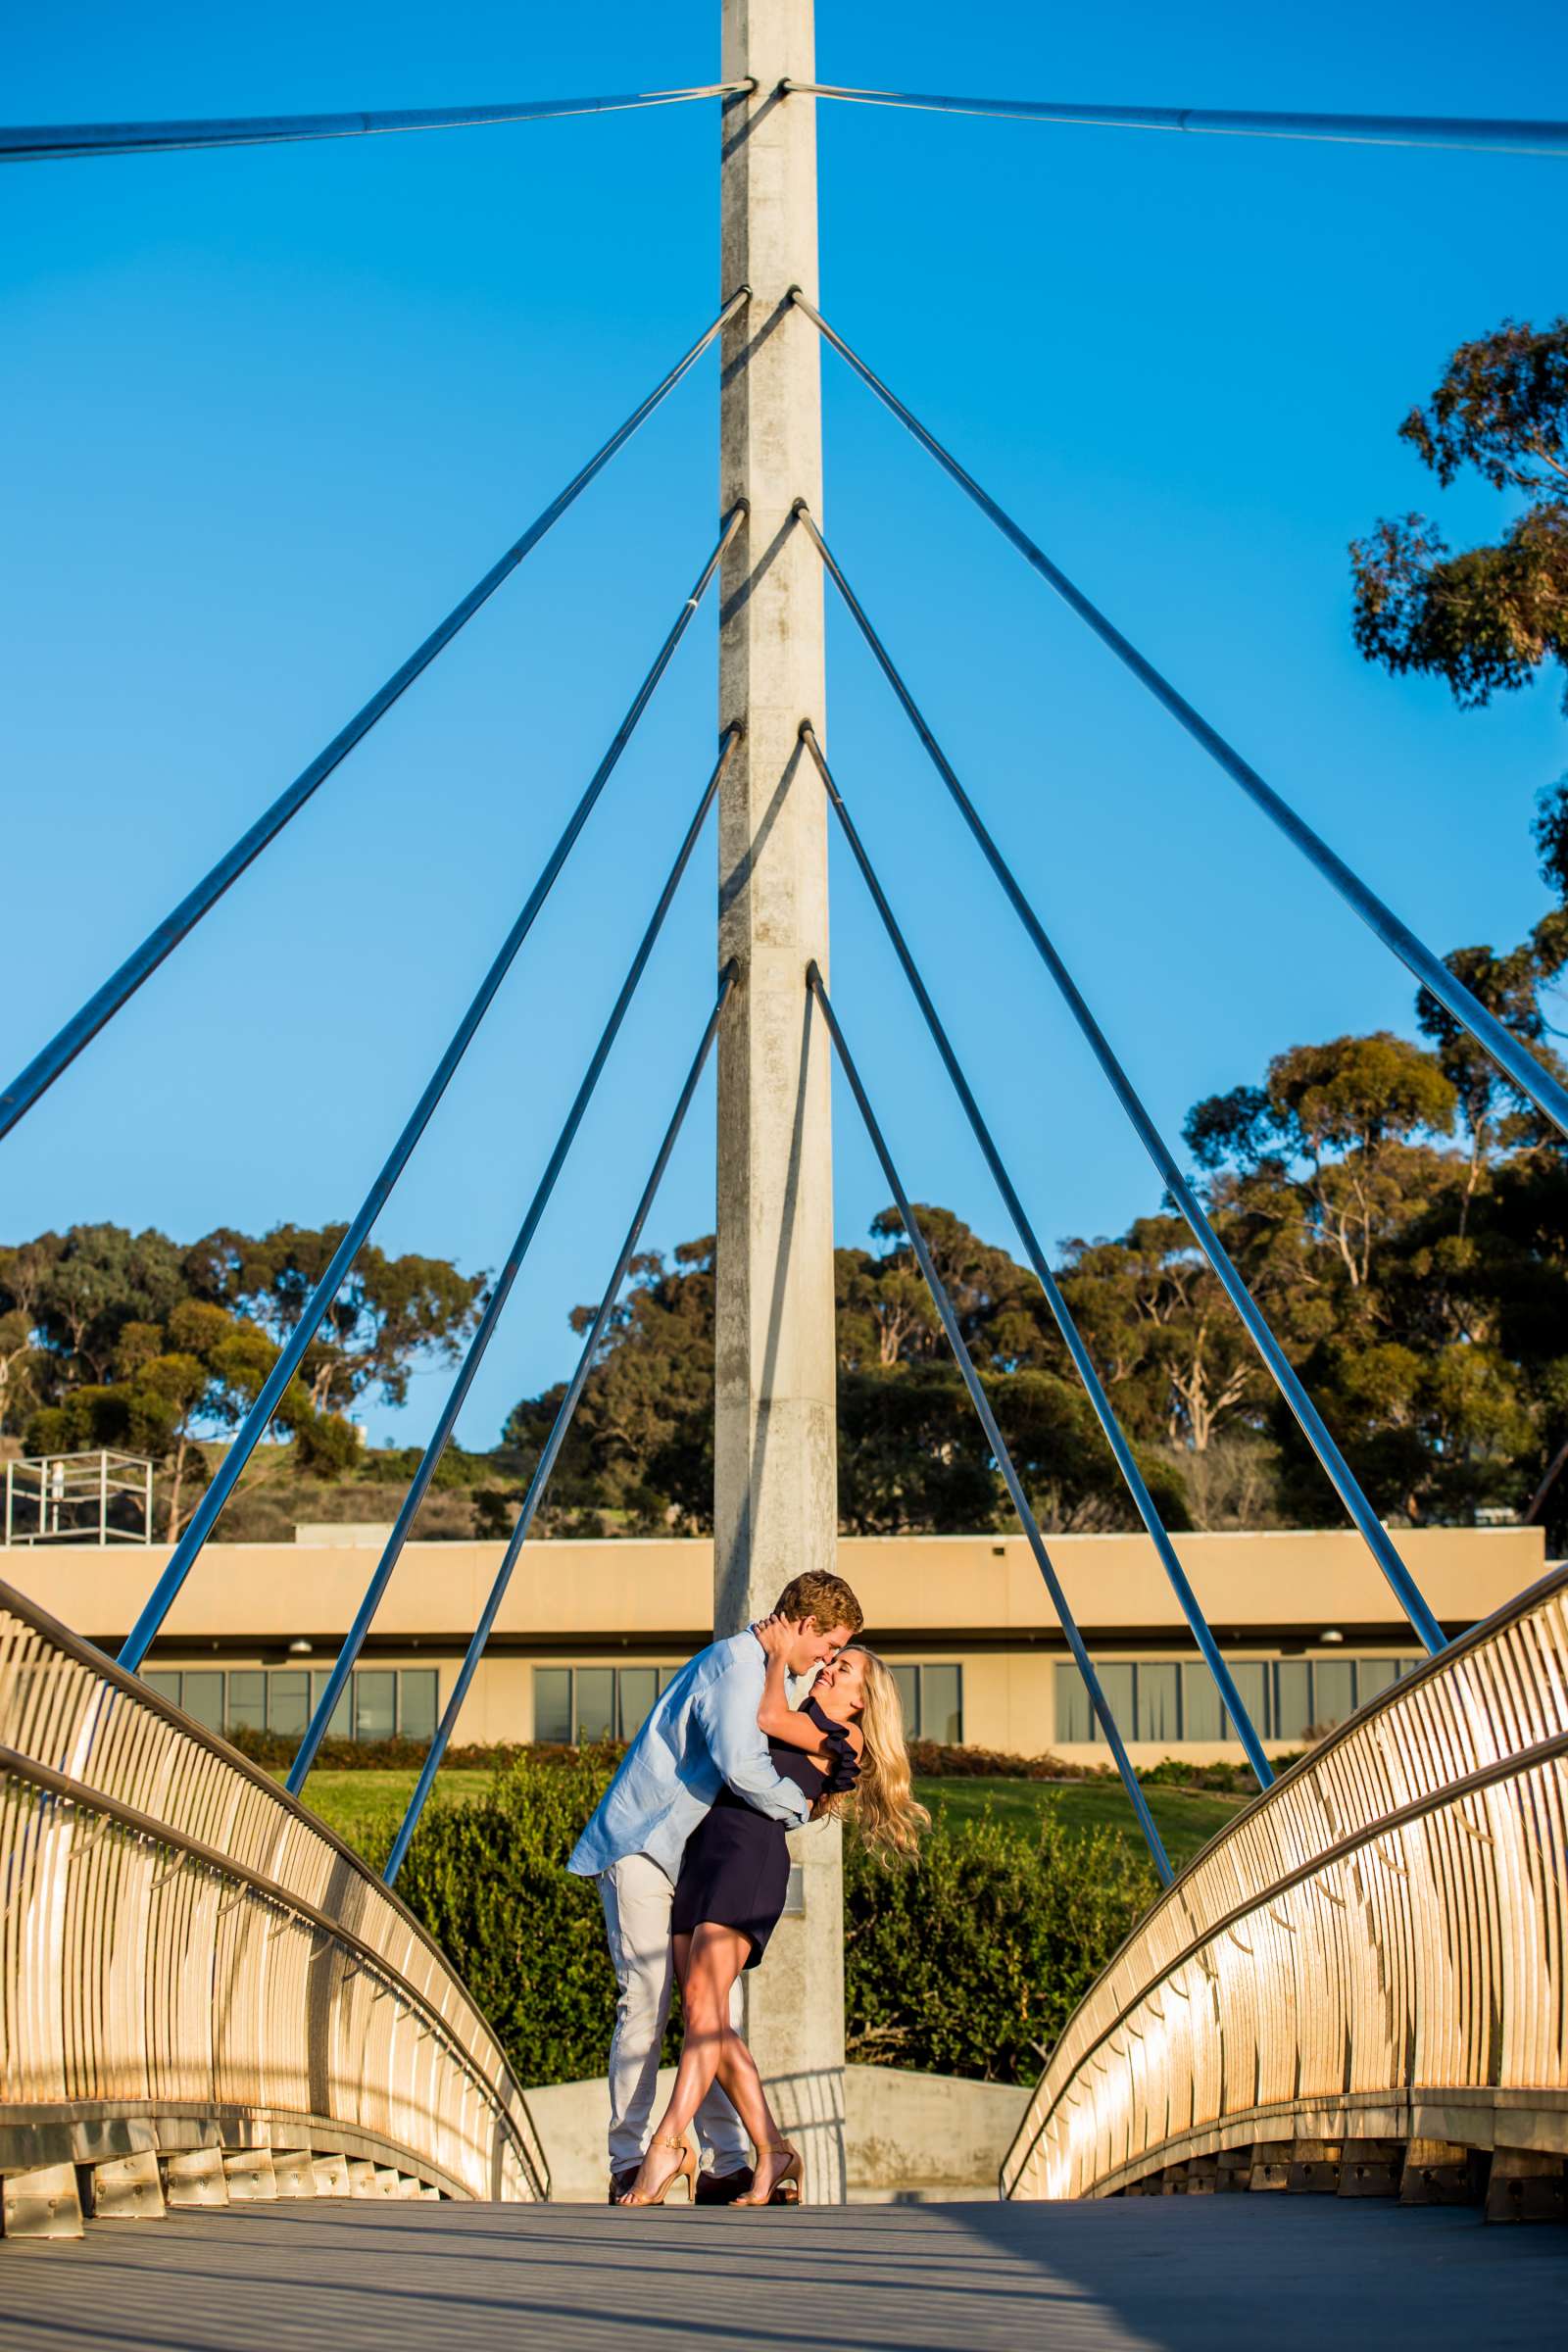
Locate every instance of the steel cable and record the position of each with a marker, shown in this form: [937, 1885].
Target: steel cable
[556, 1437]
[501, 1292]
[1283, 1373]
[56, 143]
[265, 1407]
[1516, 1062]
[1486, 134]
[63, 1048]
[994, 1438]
[1104, 1411]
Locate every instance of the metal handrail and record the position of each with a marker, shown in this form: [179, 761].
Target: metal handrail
[81, 1733]
[1422, 1752]
[116, 1814]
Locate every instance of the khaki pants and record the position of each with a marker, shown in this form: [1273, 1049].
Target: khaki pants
[637, 1896]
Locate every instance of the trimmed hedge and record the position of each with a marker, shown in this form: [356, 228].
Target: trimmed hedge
[970, 1963]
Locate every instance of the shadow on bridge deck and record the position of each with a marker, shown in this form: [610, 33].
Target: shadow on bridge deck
[1170, 2275]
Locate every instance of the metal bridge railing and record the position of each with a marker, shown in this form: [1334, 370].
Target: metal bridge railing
[1373, 1952]
[189, 1960]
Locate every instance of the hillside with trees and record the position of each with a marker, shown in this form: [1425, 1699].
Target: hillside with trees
[136, 1343]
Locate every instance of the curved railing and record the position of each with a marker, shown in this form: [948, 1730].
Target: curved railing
[190, 1961]
[1371, 1954]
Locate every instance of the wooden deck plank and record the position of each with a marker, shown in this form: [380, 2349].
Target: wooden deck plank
[1172, 2274]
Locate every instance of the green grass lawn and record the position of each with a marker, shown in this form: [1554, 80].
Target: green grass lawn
[358, 1805]
[1186, 1820]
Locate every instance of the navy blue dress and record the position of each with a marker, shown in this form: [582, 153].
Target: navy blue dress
[735, 1872]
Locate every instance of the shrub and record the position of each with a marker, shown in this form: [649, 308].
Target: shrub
[972, 1962]
[489, 1881]
[968, 1963]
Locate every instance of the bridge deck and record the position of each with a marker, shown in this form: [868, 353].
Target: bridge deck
[1176, 2274]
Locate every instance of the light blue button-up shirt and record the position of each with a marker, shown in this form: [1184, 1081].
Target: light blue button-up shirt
[702, 1733]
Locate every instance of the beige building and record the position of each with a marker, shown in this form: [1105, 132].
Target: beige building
[589, 1632]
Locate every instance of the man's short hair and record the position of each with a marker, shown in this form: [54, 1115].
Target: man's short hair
[826, 1600]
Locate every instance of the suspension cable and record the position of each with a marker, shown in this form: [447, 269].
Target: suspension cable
[1277, 1363]
[501, 1292]
[53, 142]
[1486, 134]
[1515, 1061]
[262, 1412]
[553, 1444]
[79, 1031]
[1093, 1387]
[994, 1437]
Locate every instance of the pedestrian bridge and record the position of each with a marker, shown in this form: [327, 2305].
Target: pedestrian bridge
[1359, 1985]
[211, 2003]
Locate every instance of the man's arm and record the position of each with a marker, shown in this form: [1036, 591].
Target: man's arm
[726, 1712]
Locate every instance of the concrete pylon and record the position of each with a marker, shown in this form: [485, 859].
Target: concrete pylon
[775, 1506]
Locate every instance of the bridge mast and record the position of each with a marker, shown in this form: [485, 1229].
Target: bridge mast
[775, 1468]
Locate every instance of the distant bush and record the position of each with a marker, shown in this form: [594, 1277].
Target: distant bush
[275, 1753]
[934, 1761]
[931, 1759]
[968, 1963]
[1225, 1780]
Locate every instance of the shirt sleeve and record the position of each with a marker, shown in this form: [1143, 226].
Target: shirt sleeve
[726, 1711]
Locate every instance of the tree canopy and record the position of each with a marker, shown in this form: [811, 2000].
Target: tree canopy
[1487, 617]
[136, 1343]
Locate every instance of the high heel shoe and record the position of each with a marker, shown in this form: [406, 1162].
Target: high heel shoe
[685, 2171]
[785, 2187]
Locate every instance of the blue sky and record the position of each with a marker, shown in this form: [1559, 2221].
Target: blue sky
[267, 413]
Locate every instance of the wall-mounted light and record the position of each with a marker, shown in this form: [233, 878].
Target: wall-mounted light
[1332, 1634]
[299, 1647]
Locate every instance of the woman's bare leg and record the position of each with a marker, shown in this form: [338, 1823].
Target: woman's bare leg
[737, 2072]
[708, 1963]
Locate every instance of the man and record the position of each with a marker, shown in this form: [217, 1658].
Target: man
[702, 1733]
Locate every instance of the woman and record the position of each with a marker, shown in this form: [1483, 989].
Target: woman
[844, 1746]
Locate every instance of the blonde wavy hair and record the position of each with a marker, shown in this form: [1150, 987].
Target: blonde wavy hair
[887, 1815]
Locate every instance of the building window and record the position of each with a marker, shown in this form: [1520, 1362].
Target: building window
[1253, 1688]
[1334, 1691]
[1202, 1716]
[340, 1726]
[418, 1698]
[202, 1696]
[1157, 1701]
[1162, 1701]
[376, 1703]
[288, 1703]
[380, 1702]
[245, 1704]
[932, 1698]
[576, 1704]
[1293, 1700]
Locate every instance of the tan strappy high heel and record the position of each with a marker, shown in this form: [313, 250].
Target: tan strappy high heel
[786, 2190]
[685, 2171]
